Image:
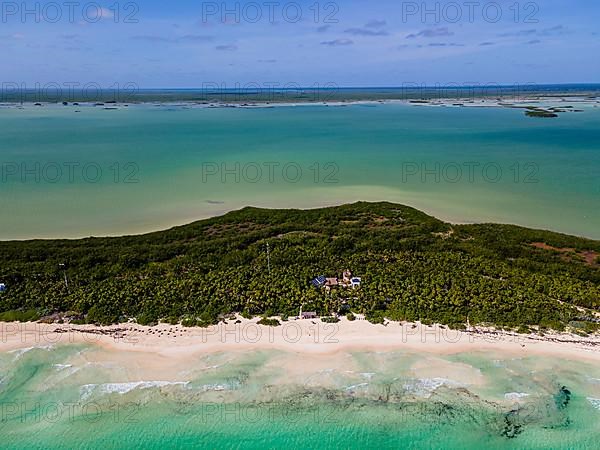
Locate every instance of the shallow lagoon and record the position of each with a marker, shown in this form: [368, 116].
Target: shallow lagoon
[146, 167]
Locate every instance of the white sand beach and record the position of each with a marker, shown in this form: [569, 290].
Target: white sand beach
[303, 337]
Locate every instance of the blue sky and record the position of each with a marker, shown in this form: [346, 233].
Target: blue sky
[360, 43]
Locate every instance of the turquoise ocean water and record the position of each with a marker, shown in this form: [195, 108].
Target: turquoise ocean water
[66, 397]
[97, 172]
[146, 167]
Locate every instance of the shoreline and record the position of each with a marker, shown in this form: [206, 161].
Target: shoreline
[190, 219]
[454, 102]
[419, 203]
[301, 337]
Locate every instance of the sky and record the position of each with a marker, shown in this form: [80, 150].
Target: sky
[194, 44]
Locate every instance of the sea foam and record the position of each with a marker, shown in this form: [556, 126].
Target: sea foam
[595, 402]
[515, 395]
[123, 388]
[424, 387]
[357, 386]
[21, 351]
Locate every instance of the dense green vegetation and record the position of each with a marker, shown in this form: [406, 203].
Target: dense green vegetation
[540, 113]
[269, 322]
[413, 267]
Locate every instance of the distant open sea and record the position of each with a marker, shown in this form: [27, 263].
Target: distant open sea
[150, 166]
